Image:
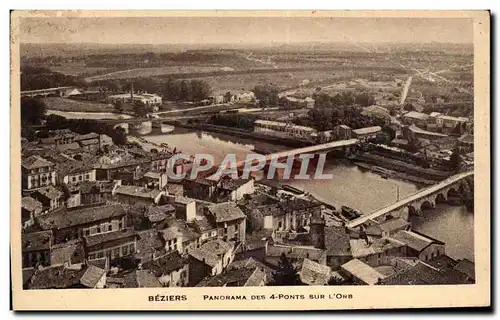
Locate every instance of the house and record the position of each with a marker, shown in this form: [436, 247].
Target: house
[361, 272]
[36, 248]
[309, 102]
[448, 124]
[73, 171]
[94, 278]
[205, 226]
[68, 253]
[366, 133]
[234, 189]
[59, 138]
[314, 274]
[284, 130]
[294, 253]
[253, 263]
[229, 219]
[185, 208]
[178, 237]
[30, 209]
[337, 246]
[387, 228]
[245, 277]
[150, 244]
[171, 269]
[153, 180]
[93, 192]
[200, 188]
[57, 277]
[159, 215]
[289, 214]
[141, 279]
[75, 224]
[149, 99]
[37, 172]
[210, 259]
[377, 252]
[413, 133]
[416, 118]
[419, 245]
[113, 245]
[425, 274]
[50, 197]
[133, 195]
[244, 97]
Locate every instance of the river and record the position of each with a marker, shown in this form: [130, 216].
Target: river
[351, 186]
[88, 115]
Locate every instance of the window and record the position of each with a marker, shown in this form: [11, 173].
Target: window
[124, 251]
[100, 255]
[110, 227]
[87, 232]
[91, 256]
[119, 226]
[87, 176]
[74, 179]
[98, 229]
[131, 248]
[79, 178]
[116, 252]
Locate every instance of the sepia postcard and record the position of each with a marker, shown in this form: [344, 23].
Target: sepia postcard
[250, 160]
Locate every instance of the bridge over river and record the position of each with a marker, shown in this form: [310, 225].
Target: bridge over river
[417, 201]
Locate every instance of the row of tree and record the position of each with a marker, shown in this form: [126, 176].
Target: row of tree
[170, 89]
[34, 78]
[347, 98]
[324, 119]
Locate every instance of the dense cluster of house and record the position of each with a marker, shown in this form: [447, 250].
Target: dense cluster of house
[98, 215]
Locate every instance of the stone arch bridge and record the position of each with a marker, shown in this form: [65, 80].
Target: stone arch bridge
[426, 198]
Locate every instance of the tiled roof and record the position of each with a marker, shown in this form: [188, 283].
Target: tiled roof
[141, 279]
[337, 242]
[424, 274]
[79, 217]
[92, 276]
[415, 240]
[36, 241]
[57, 277]
[210, 252]
[226, 211]
[416, 115]
[138, 192]
[367, 130]
[50, 192]
[91, 135]
[109, 236]
[235, 278]
[313, 273]
[387, 226]
[64, 252]
[165, 264]
[30, 204]
[362, 271]
[33, 162]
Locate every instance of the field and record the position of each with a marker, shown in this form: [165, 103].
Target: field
[64, 104]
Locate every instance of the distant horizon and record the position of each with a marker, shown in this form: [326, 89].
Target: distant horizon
[243, 44]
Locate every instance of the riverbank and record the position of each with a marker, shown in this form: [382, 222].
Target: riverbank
[245, 134]
[386, 173]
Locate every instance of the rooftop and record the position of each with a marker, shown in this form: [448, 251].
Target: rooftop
[137, 192]
[64, 219]
[313, 273]
[65, 252]
[416, 115]
[50, 192]
[165, 264]
[109, 236]
[226, 211]
[466, 267]
[92, 276]
[360, 248]
[36, 241]
[362, 271]
[387, 226]
[235, 278]
[34, 162]
[30, 204]
[367, 130]
[415, 240]
[210, 252]
[424, 274]
[141, 279]
[57, 277]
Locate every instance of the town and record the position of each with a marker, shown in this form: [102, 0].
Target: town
[100, 211]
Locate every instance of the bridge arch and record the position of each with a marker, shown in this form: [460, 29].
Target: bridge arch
[452, 192]
[427, 204]
[440, 198]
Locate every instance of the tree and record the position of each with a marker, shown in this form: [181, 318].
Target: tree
[227, 96]
[286, 274]
[455, 158]
[32, 110]
[118, 106]
[391, 133]
[336, 281]
[266, 94]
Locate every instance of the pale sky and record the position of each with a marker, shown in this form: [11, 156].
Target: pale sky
[203, 30]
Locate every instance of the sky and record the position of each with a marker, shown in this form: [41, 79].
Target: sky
[250, 30]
